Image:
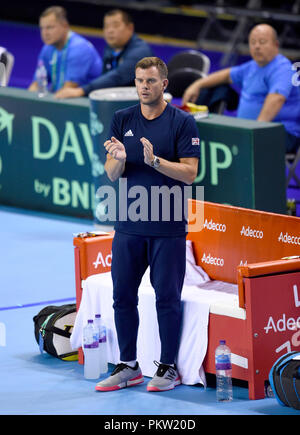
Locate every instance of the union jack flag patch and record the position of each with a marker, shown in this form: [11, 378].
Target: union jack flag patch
[195, 141]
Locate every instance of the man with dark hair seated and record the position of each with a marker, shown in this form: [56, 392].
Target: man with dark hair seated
[124, 49]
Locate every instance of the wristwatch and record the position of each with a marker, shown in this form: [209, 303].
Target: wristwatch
[155, 162]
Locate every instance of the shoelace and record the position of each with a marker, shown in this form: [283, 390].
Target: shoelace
[119, 367]
[163, 369]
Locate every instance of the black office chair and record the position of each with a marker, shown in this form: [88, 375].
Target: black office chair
[180, 79]
[184, 68]
[189, 59]
[6, 64]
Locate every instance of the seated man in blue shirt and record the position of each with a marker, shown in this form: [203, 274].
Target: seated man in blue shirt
[70, 59]
[124, 49]
[267, 90]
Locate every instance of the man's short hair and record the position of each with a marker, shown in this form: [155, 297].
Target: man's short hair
[126, 17]
[59, 12]
[273, 31]
[148, 62]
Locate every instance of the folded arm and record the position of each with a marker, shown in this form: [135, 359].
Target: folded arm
[192, 92]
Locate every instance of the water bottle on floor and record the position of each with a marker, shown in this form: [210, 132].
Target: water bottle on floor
[42, 80]
[91, 351]
[103, 360]
[223, 372]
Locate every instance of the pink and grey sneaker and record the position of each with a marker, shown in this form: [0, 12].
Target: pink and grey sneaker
[166, 378]
[123, 376]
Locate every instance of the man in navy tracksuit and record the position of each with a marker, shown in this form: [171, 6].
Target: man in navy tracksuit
[152, 146]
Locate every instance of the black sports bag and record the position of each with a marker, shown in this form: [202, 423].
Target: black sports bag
[284, 379]
[52, 329]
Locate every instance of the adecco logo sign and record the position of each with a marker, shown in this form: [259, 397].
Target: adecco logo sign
[102, 261]
[249, 232]
[209, 259]
[294, 240]
[214, 226]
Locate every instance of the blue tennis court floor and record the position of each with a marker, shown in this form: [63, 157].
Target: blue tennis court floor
[37, 269]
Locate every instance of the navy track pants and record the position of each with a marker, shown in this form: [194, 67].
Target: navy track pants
[166, 256]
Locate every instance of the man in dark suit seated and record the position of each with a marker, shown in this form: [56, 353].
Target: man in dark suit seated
[124, 49]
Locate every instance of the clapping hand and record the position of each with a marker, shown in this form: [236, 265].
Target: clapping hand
[116, 149]
[148, 151]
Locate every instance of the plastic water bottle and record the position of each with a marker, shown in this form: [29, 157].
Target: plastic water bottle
[102, 344]
[91, 351]
[42, 80]
[223, 372]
